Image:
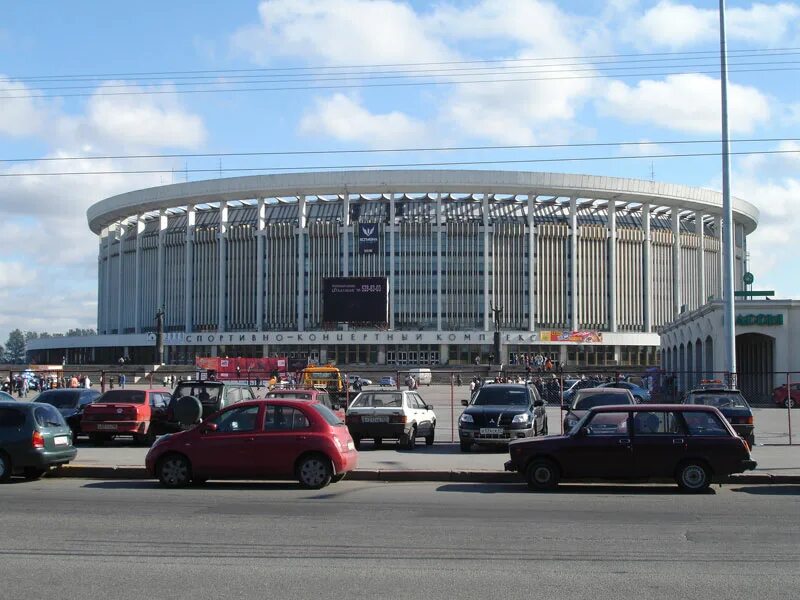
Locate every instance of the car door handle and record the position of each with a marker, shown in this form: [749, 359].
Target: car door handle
[301, 437]
[677, 441]
[625, 441]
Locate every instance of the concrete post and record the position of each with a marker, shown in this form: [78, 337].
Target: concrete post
[223, 271]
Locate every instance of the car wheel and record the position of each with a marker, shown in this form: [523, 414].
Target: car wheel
[314, 472]
[32, 473]
[338, 477]
[693, 477]
[378, 442]
[542, 474]
[430, 436]
[5, 468]
[409, 440]
[357, 442]
[174, 471]
[789, 402]
[466, 446]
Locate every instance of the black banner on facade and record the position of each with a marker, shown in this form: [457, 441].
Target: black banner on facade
[355, 300]
[367, 238]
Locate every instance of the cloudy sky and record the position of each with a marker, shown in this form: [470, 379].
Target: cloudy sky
[83, 79]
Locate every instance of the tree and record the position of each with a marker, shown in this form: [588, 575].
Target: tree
[15, 347]
[31, 335]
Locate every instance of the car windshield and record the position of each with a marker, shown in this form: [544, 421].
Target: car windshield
[59, 399]
[718, 399]
[327, 414]
[587, 401]
[123, 397]
[322, 375]
[501, 396]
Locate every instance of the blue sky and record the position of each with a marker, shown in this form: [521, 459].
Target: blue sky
[48, 258]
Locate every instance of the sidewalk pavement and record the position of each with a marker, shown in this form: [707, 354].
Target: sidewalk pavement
[442, 462]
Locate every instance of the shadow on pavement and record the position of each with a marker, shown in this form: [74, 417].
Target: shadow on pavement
[769, 490]
[209, 486]
[622, 490]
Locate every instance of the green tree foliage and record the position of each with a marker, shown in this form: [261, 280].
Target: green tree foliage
[15, 347]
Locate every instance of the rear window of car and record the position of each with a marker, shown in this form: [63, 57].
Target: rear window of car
[502, 396]
[202, 392]
[587, 401]
[704, 423]
[378, 400]
[123, 396]
[718, 400]
[327, 414]
[11, 418]
[60, 399]
[47, 416]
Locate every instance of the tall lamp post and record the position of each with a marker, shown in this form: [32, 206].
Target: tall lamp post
[729, 326]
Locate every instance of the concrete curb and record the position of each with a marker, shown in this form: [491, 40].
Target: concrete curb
[132, 472]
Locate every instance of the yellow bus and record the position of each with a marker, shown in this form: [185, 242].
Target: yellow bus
[326, 376]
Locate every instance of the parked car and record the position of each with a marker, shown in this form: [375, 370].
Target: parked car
[262, 439]
[210, 396]
[693, 445]
[311, 395]
[640, 394]
[781, 398]
[591, 397]
[731, 404]
[125, 412]
[571, 386]
[33, 438]
[397, 415]
[363, 380]
[5, 397]
[387, 382]
[499, 413]
[70, 403]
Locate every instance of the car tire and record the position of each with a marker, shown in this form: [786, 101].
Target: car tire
[314, 472]
[32, 473]
[789, 402]
[5, 468]
[357, 442]
[542, 475]
[409, 440]
[378, 442]
[429, 438]
[693, 476]
[174, 471]
[466, 446]
[338, 477]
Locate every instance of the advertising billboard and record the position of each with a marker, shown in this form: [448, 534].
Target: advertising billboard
[368, 238]
[355, 300]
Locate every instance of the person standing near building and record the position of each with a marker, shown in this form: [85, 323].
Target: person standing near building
[121, 380]
[87, 383]
[73, 382]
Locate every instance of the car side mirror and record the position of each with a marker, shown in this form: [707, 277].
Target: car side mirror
[584, 431]
[429, 406]
[208, 427]
[538, 402]
[465, 403]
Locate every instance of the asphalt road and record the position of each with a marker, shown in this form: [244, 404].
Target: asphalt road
[97, 539]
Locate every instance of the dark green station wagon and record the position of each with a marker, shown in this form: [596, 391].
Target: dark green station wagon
[33, 438]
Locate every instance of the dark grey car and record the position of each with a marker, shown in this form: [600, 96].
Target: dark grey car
[70, 403]
[33, 438]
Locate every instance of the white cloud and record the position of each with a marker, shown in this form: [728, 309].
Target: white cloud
[345, 118]
[676, 25]
[20, 114]
[688, 103]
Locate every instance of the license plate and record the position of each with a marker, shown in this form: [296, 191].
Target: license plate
[111, 426]
[492, 431]
[61, 440]
[375, 419]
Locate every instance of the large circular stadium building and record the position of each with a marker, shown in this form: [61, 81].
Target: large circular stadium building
[585, 269]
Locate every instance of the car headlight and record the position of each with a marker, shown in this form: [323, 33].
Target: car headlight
[522, 418]
[464, 418]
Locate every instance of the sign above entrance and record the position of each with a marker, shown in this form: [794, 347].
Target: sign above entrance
[761, 319]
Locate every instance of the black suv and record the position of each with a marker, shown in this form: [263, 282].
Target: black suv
[499, 413]
[198, 399]
[70, 402]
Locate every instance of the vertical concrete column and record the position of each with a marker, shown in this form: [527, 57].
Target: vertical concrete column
[438, 261]
[162, 267]
[392, 265]
[222, 238]
[531, 263]
[123, 235]
[676, 262]
[260, 266]
[301, 262]
[107, 287]
[647, 301]
[188, 284]
[701, 258]
[721, 260]
[612, 266]
[573, 264]
[345, 234]
[137, 275]
[486, 239]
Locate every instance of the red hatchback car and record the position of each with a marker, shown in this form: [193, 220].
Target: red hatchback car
[260, 439]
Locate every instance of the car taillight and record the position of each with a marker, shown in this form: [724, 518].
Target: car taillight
[398, 419]
[747, 420]
[38, 441]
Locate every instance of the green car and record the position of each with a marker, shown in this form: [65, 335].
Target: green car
[33, 438]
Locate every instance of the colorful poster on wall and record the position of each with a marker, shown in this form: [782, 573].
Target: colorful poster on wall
[575, 337]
